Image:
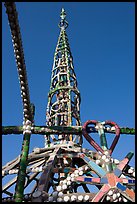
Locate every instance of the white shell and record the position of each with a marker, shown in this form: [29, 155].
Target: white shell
[107, 160]
[97, 127]
[97, 161]
[86, 168]
[11, 171]
[108, 128]
[134, 173]
[107, 198]
[115, 200]
[130, 171]
[80, 197]
[106, 152]
[60, 194]
[23, 87]
[40, 168]
[23, 93]
[86, 197]
[26, 115]
[60, 136]
[104, 157]
[26, 105]
[65, 181]
[73, 198]
[28, 122]
[66, 198]
[80, 168]
[64, 186]
[17, 56]
[122, 176]
[118, 195]
[110, 192]
[59, 199]
[72, 175]
[68, 178]
[76, 171]
[68, 183]
[112, 160]
[103, 165]
[124, 199]
[58, 188]
[116, 161]
[114, 196]
[113, 128]
[119, 199]
[81, 173]
[72, 179]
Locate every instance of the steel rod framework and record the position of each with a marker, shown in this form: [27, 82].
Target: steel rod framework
[42, 130]
[63, 166]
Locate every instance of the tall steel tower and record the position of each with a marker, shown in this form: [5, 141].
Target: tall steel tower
[64, 98]
[63, 171]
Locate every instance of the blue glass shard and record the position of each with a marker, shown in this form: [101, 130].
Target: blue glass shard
[88, 179]
[131, 181]
[121, 187]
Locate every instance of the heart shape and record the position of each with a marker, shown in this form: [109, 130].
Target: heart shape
[92, 141]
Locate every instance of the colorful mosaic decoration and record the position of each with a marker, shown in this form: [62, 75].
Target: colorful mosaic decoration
[64, 171]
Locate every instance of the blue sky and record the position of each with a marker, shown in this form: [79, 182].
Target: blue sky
[101, 37]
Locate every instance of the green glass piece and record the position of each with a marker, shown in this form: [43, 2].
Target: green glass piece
[129, 155]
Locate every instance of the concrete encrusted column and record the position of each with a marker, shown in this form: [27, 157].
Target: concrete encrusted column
[27, 106]
[19, 190]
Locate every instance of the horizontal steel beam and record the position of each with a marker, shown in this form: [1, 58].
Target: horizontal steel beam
[42, 130]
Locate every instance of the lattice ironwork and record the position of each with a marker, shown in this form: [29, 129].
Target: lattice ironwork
[64, 98]
[64, 171]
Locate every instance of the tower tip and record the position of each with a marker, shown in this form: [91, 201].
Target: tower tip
[63, 14]
[63, 23]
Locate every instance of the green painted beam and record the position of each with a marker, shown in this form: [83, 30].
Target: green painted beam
[19, 190]
[42, 130]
